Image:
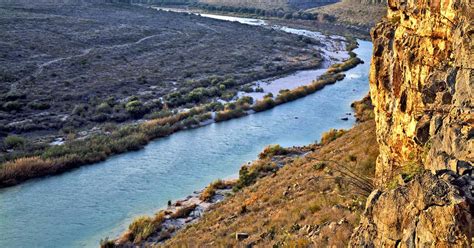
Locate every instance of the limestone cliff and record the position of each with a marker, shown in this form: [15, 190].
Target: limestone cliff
[421, 84]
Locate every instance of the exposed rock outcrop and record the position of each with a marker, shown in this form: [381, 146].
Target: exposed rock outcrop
[421, 85]
[426, 212]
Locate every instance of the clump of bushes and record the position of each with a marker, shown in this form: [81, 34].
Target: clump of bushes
[344, 66]
[135, 108]
[249, 174]
[210, 190]
[39, 105]
[12, 106]
[265, 104]
[331, 135]
[14, 142]
[271, 151]
[229, 114]
[21, 169]
[141, 228]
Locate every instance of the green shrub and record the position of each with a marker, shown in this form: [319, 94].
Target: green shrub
[104, 108]
[262, 105]
[159, 114]
[210, 190]
[245, 100]
[12, 106]
[79, 109]
[271, 151]
[135, 108]
[319, 166]
[39, 105]
[14, 142]
[249, 174]
[214, 106]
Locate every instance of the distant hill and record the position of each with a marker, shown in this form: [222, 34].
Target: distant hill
[363, 13]
[271, 4]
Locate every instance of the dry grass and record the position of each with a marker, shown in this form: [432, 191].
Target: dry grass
[298, 205]
[142, 227]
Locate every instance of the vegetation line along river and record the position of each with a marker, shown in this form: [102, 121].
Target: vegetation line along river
[78, 208]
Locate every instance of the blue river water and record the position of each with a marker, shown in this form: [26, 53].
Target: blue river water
[78, 208]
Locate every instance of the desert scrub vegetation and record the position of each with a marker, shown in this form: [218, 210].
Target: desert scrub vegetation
[264, 104]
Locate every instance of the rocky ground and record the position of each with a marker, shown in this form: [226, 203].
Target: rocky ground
[78, 65]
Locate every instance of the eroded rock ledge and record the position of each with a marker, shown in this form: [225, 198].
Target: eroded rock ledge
[426, 212]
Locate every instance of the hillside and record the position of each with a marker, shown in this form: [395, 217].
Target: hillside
[354, 12]
[270, 4]
[316, 197]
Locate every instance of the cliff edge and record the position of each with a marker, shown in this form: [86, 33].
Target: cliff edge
[421, 84]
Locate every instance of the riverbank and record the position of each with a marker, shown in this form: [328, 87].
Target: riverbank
[96, 148]
[162, 229]
[166, 223]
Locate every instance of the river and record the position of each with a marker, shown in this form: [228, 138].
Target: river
[78, 208]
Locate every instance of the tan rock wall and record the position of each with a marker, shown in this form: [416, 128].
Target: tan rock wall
[421, 85]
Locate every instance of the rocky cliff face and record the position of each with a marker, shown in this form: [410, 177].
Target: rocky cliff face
[421, 86]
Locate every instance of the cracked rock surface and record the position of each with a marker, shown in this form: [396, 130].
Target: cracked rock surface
[421, 84]
[426, 212]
